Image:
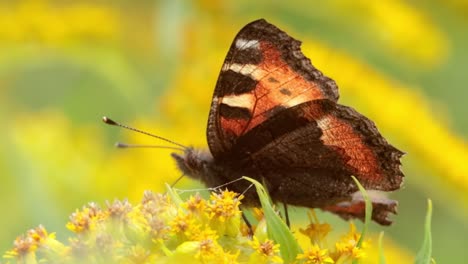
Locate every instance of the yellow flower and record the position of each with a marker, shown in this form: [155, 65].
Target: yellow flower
[25, 247]
[138, 254]
[208, 247]
[86, 219]
[224, 205]
[315, 255]
[22, 247]
[316, 231]
[185, 226]
[39, 234]
[258, 213]
[205, 251]
[265, 252]
[182, 222]
[346, 247]
[155, 212]
[119, 209]
[195, 204]
[224, 212]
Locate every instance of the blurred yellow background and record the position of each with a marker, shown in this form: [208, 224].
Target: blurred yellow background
[154, 64]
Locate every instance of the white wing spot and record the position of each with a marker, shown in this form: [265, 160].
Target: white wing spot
[245, 69]
[245, 100]
[243, 44]
[324, 123]
[296, 100]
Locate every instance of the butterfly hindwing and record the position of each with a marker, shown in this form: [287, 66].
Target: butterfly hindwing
[307, 154]
[264, 72]
[325, 140]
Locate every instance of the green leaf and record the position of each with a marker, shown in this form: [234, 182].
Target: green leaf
[424, 255]
[368, 212]
[277, 229]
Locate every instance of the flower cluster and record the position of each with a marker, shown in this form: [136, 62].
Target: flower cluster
[345, 250]
[162, 227]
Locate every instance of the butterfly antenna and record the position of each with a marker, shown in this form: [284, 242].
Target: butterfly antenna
[113, 123]
[248, 188]
[125, 145]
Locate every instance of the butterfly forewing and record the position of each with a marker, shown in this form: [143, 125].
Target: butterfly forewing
[263, 73]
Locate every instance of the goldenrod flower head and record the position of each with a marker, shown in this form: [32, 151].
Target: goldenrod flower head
[154, 212]
[265, 252]
[182, 222]
[86, 219]
[119, 209]
[347, 245]
[25, 247]
[156, 204]
[209, 248]
[224, 213]
[258, 213]
[316, 231]
[185, 226]
[204, 248]
[22, 246]
[138, 254]
[315, 255]
[39, 234]
[195, 204]
[224, 205]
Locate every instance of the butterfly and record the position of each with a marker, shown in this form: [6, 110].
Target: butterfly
[274, 117]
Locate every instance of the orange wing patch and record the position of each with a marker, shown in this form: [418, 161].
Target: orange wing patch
[233, 127]
[362, 160]
[279, 86]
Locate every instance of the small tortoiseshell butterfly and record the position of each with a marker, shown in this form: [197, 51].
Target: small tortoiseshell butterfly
[275, 118]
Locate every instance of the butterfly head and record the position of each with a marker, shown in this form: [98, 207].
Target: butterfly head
[194, 163]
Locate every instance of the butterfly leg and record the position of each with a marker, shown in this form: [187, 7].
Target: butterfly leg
[178, 179]
[249, 225]
[286, 215]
